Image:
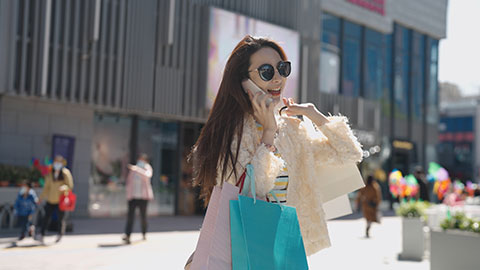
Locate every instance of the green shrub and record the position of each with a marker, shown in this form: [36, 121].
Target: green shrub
[461, 222]
[412, 209]
[17, 174]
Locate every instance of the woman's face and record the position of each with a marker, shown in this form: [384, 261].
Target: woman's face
[57, 163]
[275, 86]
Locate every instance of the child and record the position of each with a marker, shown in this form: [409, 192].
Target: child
[25, 206]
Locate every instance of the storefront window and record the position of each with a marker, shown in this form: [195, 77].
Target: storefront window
[117, 141]
[110, 156]
[158, 140]
[352, 36]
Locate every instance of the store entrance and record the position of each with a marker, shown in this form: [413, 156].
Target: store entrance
[401, 161]
[188, 196]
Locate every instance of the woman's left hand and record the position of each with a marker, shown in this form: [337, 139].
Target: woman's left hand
[307, 109]
[297, 109]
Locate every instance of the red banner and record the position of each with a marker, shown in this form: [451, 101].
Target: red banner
[456, 137]
[377, 6]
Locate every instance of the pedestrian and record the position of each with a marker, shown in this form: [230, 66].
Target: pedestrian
[25, 206]
[56, 182]
[476, 193]
[139, 192]
[423, 192]
[369, 198]
[286, 153]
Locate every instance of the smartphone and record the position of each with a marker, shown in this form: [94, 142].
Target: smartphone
[249, 85]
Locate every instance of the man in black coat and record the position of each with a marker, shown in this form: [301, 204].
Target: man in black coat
[422, 184]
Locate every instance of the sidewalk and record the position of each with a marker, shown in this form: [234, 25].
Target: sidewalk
[96, 244]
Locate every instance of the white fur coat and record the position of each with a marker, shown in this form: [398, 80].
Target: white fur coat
[305, 149]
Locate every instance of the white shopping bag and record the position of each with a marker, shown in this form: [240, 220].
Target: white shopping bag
[335, 184]
[213, 251]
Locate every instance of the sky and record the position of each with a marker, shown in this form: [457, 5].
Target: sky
[459, 52]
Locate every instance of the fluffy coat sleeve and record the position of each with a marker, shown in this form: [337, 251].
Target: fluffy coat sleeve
[266, 165]
[341, 146]
[307, 150]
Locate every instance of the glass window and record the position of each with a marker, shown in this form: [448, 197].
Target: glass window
[373, 65]
[432, 97]
[330, 54]
[329, 70]
[402, 69]
[351, 59]
[330, 29]
[387, 74]
[418, 75]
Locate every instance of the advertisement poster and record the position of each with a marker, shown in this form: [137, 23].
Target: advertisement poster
[227, 29]
[64, 146]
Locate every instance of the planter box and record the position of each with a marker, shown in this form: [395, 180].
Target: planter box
[412, 239]
[454, 249]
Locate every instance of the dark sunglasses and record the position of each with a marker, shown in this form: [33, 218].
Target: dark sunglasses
[267, 71]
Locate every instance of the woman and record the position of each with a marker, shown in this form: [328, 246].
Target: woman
[285, 152]
[139, 192]
[370, 197]
[58, 181]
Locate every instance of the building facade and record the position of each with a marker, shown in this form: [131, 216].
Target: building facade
[115, 78]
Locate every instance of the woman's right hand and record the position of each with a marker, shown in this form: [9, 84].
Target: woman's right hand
[263, 114]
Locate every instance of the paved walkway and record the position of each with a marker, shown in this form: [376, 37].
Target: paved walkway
[95, 244]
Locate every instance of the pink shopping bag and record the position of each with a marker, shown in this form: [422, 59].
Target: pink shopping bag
[213, 251]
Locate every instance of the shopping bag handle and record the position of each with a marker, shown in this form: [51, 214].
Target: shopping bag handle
[276, 199]
[249, 181]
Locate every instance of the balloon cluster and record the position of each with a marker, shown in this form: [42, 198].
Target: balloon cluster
[394, 182]
[411, 189]
[442, 180]
[44, 168]
[402, 186]
[470, 188]
[458, 187]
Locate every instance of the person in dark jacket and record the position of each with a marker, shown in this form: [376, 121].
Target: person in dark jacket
[25, 206]
[423, 193]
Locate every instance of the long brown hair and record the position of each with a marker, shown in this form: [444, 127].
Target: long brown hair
[213, 147]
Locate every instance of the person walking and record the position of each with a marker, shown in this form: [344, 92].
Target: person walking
[57, 182]
[139, 192]
[286, 152]
[370, 197]
[423, 193]
[25, 206]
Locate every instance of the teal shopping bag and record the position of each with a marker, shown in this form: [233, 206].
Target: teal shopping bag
[239, 246]
[264, 235]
